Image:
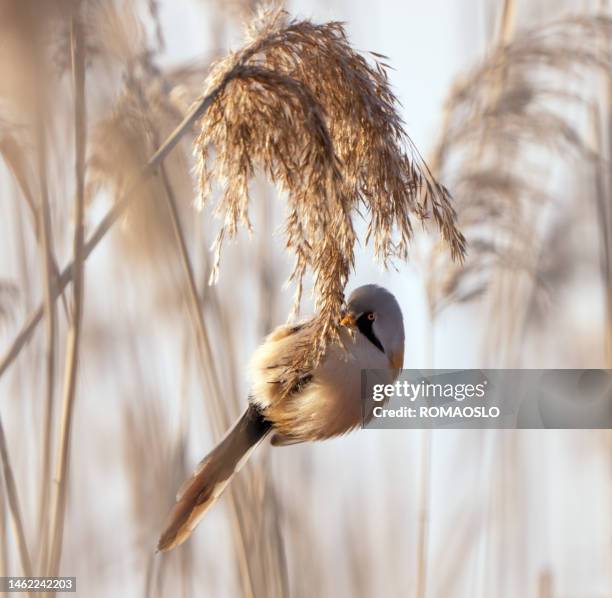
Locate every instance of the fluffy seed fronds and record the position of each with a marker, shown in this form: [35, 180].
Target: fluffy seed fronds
[115, 32]
[505, 121]
[321, 122]
[14, 143]
[121, 145]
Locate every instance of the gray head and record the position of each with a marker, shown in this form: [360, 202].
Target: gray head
[376, 314]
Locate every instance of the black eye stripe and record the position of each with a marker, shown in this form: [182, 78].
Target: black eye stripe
[364, 324]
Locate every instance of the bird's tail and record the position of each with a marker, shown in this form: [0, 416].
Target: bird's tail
[211, 477]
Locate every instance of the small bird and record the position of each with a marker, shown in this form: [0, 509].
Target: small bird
[325, 402]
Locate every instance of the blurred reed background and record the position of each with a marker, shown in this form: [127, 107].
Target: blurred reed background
[109, 395]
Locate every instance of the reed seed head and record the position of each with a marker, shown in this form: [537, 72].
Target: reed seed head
[321, 122]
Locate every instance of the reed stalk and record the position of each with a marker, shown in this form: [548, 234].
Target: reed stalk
[14, 507]
[206, 357]
[58, 506]
[50, 315]
[422, 568]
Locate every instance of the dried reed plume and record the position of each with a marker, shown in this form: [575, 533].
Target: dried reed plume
[502, 119]
[130, 131]
[321, 122]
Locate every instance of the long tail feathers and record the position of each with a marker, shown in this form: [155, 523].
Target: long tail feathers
[211, 477]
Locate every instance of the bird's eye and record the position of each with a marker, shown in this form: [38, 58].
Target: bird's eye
[371, 316]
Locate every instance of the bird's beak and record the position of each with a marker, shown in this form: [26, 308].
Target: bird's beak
[348, 320]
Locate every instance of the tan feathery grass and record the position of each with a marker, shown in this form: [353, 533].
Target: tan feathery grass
[133, 130]
[115, 33]
[321, 122]
[496, 192]
[328, 172]
[29, 30]
[145, 111]
[24, 31]
[12, 151]
[109, 220]
[331, 167]
[146, 233]
[306, 569]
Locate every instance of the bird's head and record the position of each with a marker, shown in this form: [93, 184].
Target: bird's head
[375, 313]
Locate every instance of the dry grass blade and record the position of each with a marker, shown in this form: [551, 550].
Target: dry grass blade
[49, 277]
[72, 351]
[220, 418]
[321, 122]
[424, 506]
[13, 150]
[13, 503]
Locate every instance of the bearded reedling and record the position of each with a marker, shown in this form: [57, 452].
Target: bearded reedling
[323, 403]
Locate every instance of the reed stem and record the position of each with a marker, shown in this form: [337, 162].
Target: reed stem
[14, 509]
[58, 507]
